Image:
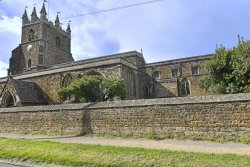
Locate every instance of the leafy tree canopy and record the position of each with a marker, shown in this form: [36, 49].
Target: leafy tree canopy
[93, 89]
[229, 70]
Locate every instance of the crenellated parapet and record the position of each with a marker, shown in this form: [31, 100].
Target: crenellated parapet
[43, 18]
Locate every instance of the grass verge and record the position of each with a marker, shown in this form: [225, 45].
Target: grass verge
[214, 138]
[157, 136]
[94, 155]
[153, 135]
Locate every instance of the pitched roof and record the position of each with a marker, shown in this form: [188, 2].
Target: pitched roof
[29, 92]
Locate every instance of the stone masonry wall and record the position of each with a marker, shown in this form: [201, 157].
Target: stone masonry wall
[58, 122]
[207, 115]
[166, 86]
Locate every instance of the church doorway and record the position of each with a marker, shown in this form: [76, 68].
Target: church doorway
[8, 100]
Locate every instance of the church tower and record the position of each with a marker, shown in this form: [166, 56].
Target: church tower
[43, 44]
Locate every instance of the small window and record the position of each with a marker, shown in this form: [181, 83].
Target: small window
[174, 73]
[31, 35]
[157, 75]
[195, 70]
[29, 63]
[58, 42]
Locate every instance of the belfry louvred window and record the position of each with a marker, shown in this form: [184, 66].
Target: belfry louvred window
[31, 35]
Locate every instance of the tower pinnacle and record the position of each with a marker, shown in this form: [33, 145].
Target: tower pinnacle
[34, 17]
[68, 28]
[43, 13]
[57, 21]
[25, 17]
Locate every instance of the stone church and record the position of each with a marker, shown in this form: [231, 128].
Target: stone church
[42, 64]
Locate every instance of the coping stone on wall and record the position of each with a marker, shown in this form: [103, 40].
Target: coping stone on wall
[243, 97]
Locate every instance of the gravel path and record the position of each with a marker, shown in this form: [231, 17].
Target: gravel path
[177, 145]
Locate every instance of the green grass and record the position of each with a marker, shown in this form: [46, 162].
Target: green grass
[156, 136]
[94, 155]
[218, 138]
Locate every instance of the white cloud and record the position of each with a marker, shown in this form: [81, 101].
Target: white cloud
[9, 36]
[10, 25]
[91, 39]
[164, 30]
[3, 69]
[117, 31]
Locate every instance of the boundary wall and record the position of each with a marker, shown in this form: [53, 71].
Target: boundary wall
[204, 115]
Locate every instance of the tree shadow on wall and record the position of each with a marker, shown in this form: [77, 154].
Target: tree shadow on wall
[154, 88]
[161, 91]
[86, 119]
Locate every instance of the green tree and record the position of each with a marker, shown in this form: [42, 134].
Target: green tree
[93, 89]
[228, 70]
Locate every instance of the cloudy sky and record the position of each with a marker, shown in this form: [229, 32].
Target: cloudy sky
[167, 29]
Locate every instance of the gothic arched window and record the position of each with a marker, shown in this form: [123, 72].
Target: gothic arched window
[31, 35]
[131, 83]
[185, 88]
[89, 73]
[67, 79]
[58, 42]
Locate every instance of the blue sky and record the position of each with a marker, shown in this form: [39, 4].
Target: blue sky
[168, 29]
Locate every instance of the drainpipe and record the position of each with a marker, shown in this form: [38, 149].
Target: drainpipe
[153, 79]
